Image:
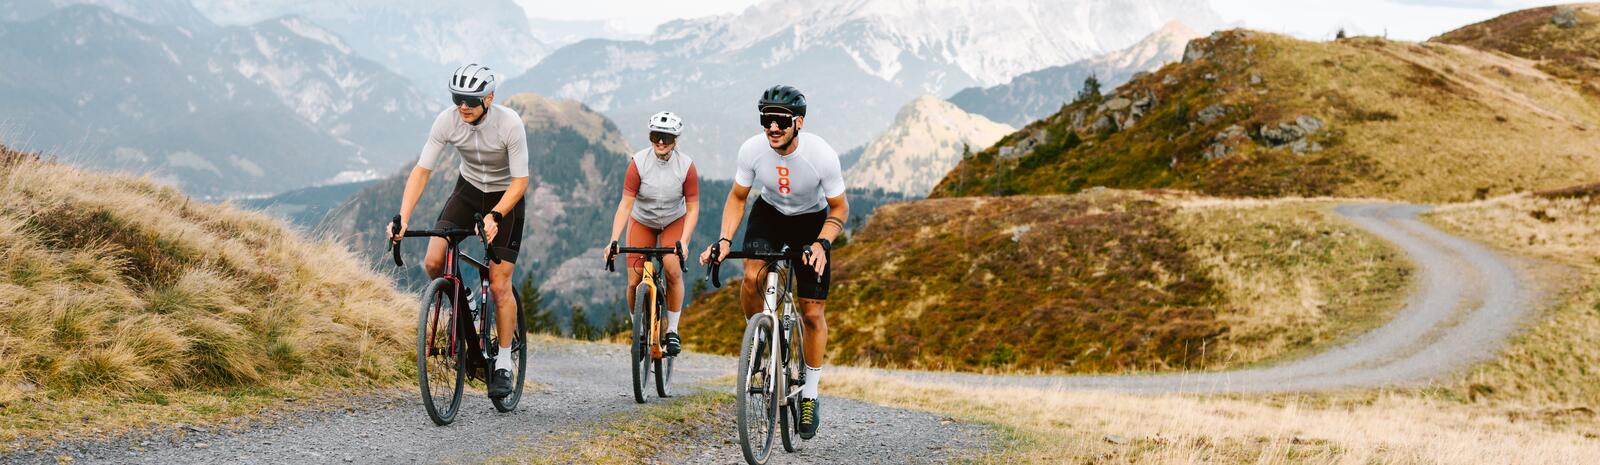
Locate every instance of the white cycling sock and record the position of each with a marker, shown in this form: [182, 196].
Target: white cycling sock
[809, 390]
[503, 360]
[672, 321]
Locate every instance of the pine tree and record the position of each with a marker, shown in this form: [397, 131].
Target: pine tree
[1090, 91]
[581, 328]
[539, 317]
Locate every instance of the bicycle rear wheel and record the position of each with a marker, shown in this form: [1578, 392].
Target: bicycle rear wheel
[640, 344]
[757, 408]
[794, 363]
[441, 353]
[519, 356]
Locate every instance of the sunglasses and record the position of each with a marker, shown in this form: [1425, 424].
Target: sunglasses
[663, 138]
[784, 121]
[472, 102]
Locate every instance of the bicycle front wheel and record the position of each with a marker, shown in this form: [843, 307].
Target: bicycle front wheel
[794, 364]
[640, 342]
[441, 353]
[519, 357]
[663, 365]
[757, 409]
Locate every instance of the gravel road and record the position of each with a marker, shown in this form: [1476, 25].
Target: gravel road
[579, 383]
[1465, 303]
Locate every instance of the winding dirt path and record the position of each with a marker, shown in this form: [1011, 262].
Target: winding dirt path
[1466, 301]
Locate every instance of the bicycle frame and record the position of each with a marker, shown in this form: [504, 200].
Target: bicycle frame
[478, 313]
[655, 279]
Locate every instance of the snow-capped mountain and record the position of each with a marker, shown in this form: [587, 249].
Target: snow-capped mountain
[236, 111]
[179, 13]
[928, 138]
[1041, 93]
[857, 60]
[423, 40]
[321, 79]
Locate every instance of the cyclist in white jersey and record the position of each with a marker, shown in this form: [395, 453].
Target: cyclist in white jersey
[494, 175]
[800, 204]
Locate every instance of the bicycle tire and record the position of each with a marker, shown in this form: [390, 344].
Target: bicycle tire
[446, 362]
[519, 351]
[794, 362]
[639, 363]
[663, 365]
[756, 407]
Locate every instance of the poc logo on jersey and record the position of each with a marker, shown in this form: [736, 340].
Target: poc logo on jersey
[783, 180]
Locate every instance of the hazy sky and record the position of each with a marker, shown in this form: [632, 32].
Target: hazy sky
[1403, 19]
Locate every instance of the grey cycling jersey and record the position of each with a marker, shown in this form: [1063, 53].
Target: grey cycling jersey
[492, 151]
[797, 183]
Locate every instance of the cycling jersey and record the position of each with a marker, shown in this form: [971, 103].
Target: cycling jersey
[661, 188]
[794, 184]
[492, 151]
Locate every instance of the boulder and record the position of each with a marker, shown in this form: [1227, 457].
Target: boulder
[1169, 80]
[1211, 114]
[1118, 104]
[1565, 18]
[1217, 151]
[1105, 124]
[1309, 123]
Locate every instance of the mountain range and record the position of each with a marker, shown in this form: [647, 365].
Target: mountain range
[423, 40]
[857, 61]
[218, 111]
[929, 136]
[1037, 94]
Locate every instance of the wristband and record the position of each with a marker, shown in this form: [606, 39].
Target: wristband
[826, 245]
[497, 216]
[730, 241]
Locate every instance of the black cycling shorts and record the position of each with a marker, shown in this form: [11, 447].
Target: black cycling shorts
[770, 230]
[467, 201]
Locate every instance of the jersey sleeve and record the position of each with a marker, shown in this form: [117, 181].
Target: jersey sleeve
[630, 183]
[435, 143]
[745, 173]
[832, 174]
[691, 184]
[517, 148]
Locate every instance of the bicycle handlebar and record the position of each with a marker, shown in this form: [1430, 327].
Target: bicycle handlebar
[676, 249]
[716, 266]
[451, 233]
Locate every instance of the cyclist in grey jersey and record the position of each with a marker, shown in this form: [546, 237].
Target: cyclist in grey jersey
[801, 204]
[494, 176]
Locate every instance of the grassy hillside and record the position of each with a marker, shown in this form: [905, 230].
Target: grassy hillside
[123, 302]
[1096, 282]
[1553, 360]
[1257, 114]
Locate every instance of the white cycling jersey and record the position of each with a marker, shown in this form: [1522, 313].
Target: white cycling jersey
[492, 152]
[797, 183]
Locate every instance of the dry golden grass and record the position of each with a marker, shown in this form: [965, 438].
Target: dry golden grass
[123, 302]
[1086, 427]
[1555, 360]
[1296, 277]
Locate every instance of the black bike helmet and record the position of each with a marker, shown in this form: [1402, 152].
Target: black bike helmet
[781, 97]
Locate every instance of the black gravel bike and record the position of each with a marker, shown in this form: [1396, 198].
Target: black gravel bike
[454, 335]
[770, 356]
[649, 328]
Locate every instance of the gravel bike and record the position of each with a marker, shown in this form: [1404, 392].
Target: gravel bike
[649, 328]
[769, 374]
[454, 326]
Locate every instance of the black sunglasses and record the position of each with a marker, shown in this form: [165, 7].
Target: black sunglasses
[472, 102]
[782, 120]
[663, 138]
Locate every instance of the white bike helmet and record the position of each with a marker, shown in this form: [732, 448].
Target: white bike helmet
[666, 122]
[472, 80]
